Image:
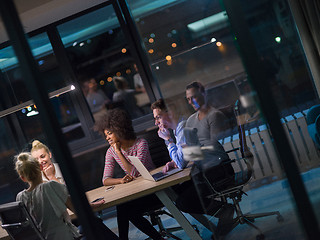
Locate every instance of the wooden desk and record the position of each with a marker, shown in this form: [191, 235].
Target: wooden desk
[3, 234]
[135, 189]
[139, 188]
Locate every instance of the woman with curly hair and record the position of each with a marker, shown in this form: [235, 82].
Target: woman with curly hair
[117, 128]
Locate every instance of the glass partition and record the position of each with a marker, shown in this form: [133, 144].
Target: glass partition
[19, 116]
[19, 102]
[104, 66]
[272, 33]
[194, 42]
[185, 41]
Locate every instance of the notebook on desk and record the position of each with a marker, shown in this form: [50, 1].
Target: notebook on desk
[147, 175]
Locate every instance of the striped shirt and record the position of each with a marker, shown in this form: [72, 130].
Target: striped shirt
[139, 149]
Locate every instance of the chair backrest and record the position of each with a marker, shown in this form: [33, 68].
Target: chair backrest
[17, 221]
[243, 176]
[157, 147]
[313, 122]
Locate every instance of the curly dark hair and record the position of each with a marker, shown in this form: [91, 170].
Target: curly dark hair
[118, 122]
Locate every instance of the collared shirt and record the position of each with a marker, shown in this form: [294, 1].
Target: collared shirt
[175, 149]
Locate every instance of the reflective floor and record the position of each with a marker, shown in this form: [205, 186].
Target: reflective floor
[273, 197]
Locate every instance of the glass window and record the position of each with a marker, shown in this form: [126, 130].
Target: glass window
[287, 74]
[278, 45]
[99, 53]
[19, 116]
[10, 183]
[193, 42]
[19, 100]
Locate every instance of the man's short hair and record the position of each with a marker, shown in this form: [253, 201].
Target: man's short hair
[196, 85]
[159, 104]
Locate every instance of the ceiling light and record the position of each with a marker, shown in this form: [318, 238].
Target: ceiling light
[214, 23]
[29, 103]
[32, 113]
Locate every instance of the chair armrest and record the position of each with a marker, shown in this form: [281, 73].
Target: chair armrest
[232, 150]
[14, 225]
[228, 161]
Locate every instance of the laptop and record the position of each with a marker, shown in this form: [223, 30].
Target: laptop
[147, 175]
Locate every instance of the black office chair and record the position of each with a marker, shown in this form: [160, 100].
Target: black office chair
[234, 191]
[160, 156]
[313, 122]
[17, 221]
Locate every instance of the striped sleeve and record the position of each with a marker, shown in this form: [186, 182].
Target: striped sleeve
[109, 164]
[142, 151]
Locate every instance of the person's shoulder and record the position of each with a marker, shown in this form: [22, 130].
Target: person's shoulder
[141, 144]
[116, 94]
[182, 123]
[101, 92]
[141, 140]
[215, 111]
[110, 151]
[192, 117]
[52, 184]
[49, 184]
[51, 187]
[191, 121]
[20, 194]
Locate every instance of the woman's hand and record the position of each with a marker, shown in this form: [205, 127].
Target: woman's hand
[127, 178]
[97, 203]
[117, 147]
[49, 171]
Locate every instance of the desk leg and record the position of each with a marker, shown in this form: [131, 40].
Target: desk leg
[180, 218]
[204, 221]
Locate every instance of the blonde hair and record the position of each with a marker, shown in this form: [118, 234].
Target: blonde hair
[27, 166]
[36, 145]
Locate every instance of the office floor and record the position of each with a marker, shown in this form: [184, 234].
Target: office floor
[273, 197]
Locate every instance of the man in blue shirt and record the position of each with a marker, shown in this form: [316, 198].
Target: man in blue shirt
[188, 195]
[166, 120]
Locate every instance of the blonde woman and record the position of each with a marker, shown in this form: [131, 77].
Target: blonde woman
[50, 170]
[48, 201]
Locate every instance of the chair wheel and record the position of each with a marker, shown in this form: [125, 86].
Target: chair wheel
[260, 237]
[280, 218]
